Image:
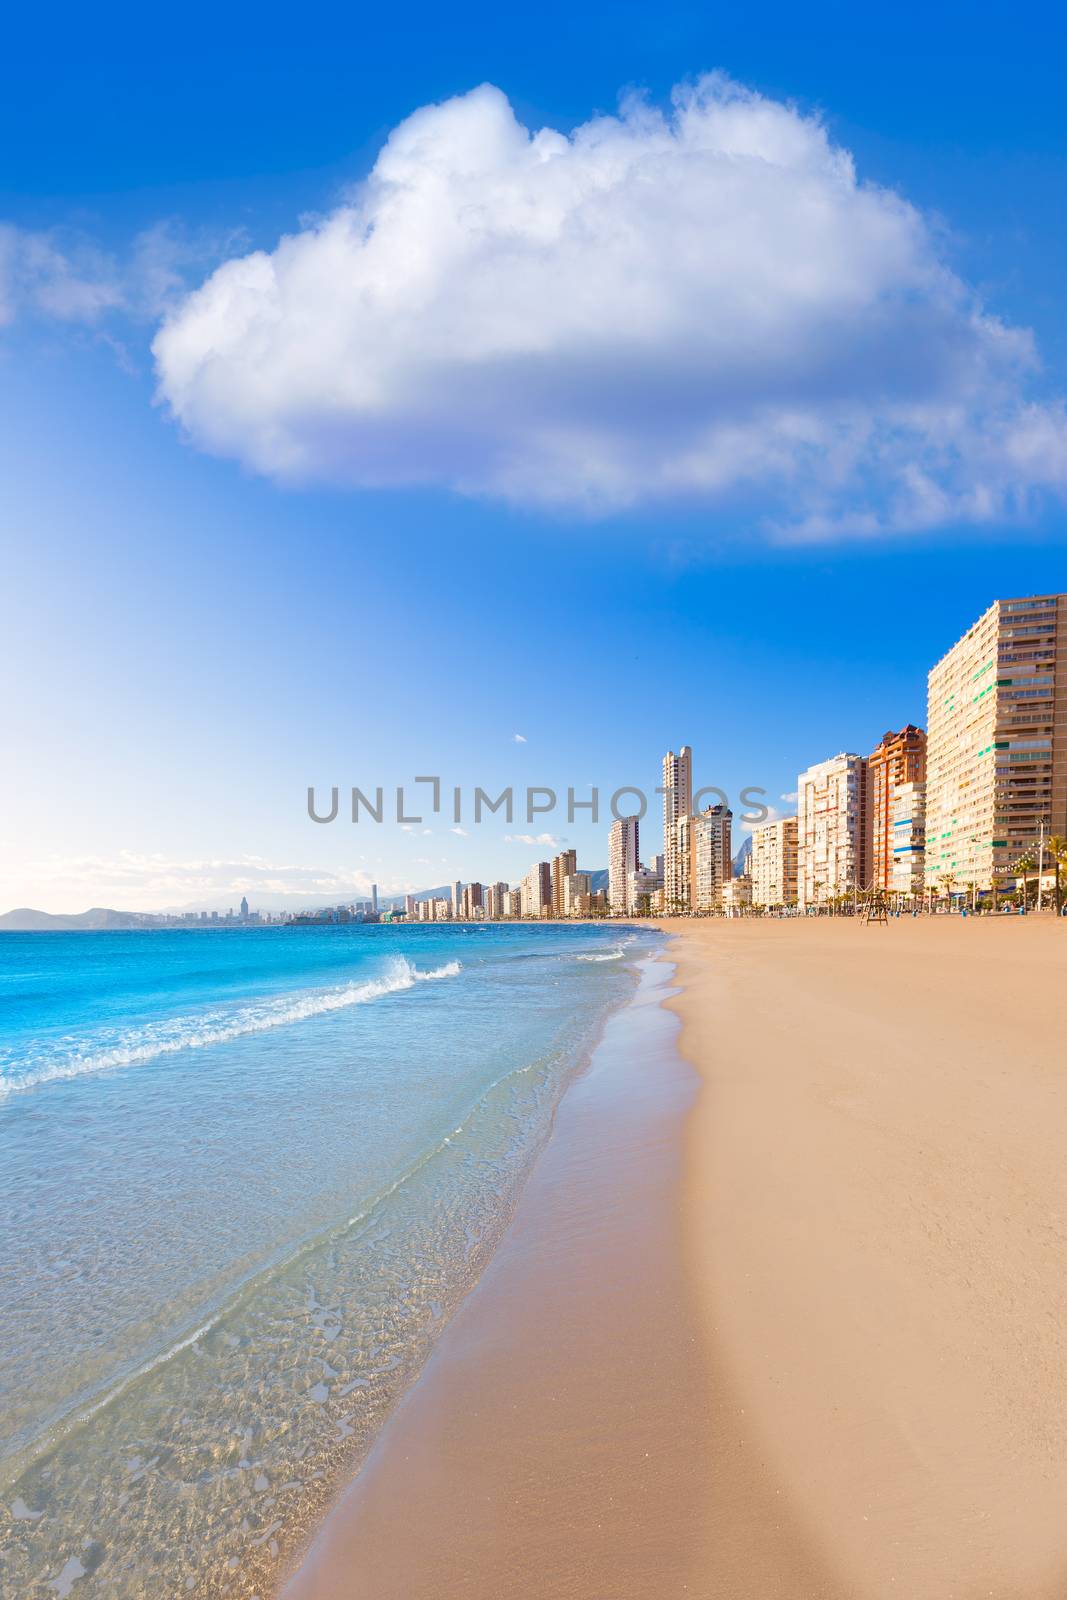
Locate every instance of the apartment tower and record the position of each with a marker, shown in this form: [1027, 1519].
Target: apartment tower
[677, 807]
[997, 743]
[562, 867]
[711, 869]
[773, 864]
[895, 829]
[624, 856]
[831, 829]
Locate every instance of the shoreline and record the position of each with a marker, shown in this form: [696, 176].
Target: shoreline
[811, 1348]
[549, 1446]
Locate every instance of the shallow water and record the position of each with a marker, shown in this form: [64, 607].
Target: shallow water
[245, 1175]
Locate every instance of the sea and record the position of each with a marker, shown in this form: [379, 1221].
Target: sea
[246, 1175]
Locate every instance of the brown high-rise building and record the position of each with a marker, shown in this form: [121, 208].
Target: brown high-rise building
[997, 757]
[899, 761]
[562, 867]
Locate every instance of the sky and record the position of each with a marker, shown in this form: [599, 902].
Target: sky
[503, 395]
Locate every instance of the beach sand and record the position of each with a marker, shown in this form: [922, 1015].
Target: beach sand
[798, 1334]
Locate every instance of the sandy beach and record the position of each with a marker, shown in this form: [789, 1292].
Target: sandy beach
[781, 1317]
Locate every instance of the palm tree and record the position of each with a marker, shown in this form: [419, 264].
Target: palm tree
[947, 880]
[1057, 846]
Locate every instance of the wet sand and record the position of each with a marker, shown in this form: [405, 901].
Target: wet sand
[799, 1336]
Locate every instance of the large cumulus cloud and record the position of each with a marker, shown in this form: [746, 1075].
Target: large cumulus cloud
[699, 304]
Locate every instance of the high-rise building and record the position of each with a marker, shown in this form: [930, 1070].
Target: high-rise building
[623, 857]
[244, 906]
[536, 890]
[645, 883]
[563, 865]
[678, 889]
[711, 868]
[908, 822]
[773, 863]
[996, 766]
[677, 804]
[374, 898]
[473, 900]
[577, 888]
[513, 903]
[457, 899]
[831, 829]
[898, 762]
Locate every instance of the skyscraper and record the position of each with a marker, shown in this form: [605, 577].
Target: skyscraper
[711, 857]
[677, 803]
[624, 855]
[374, 898]
[831, 829]
[457, 899]
[898, 762]
[997, 742]
[562, 867]
[536, 890]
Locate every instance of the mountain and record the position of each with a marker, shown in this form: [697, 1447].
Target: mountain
[742, 858]
[26, 920]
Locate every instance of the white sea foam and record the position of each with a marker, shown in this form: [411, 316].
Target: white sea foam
[214, 1027]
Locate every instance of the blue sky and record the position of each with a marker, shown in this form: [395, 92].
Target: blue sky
[196, 632]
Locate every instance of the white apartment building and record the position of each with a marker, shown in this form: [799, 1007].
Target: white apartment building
[773, 864]
[577, 887]
[710, 846]
[736, 895]
[908, 825]
[677, 806]
[624, 855]
[645, 884]
[536, 890]
[831, 829]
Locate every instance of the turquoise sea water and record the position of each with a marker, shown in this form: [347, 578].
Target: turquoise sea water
[245, 1174]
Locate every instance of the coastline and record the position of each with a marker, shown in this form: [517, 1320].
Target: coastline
[811, 1348]
[552, 1445]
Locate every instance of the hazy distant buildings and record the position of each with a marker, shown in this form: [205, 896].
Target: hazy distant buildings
[894, 825]
[773, 863]
[831, 829]
[677, 807]
[624, 856]
[997, 742]
[710, 846]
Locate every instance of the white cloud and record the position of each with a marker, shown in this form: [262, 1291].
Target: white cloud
[790, 796]
[519, 738]
[532, 838]
[63, 275]
[699, 304]
[462, 832]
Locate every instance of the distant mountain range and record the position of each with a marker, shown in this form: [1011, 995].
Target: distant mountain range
[102, 918]
[26, 920]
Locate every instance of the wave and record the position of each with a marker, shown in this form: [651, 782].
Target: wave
[215, 1027]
